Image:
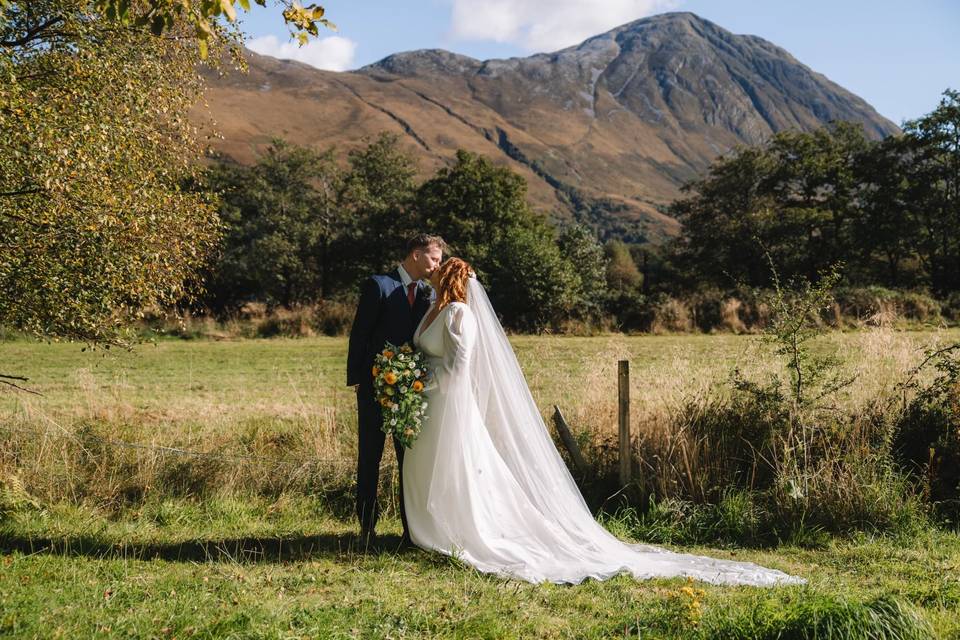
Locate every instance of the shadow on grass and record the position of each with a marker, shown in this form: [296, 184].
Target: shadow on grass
[245, 549]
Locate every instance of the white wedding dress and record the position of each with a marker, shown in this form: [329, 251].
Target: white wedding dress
[484, 482]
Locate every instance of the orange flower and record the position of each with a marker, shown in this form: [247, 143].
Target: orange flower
[417, 386]
[384, 401]
[390, 377]
[376, 371]
[408, 432]
[406, 349]
[387, 354]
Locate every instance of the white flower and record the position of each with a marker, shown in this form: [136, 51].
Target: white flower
[395, 408]
[424, 406]
[416, 372]
[403, 389]
[393, 422]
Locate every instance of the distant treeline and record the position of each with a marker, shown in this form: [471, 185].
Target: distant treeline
[889, 210]
[301, 227]
[298, 228]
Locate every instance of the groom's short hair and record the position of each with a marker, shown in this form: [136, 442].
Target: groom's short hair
[424, 240]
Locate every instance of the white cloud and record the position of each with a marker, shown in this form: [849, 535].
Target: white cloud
[546, 25]
[334, 53]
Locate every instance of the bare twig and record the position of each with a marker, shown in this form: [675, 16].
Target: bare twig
[31, 34]
[20, 192]
[6, 379]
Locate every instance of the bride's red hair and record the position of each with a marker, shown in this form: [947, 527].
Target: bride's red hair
[453, 275]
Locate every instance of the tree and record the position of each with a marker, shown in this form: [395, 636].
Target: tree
[934, 178]
[201, 19]
[280, 218]
[721, 214]
[797, 197]
[622, 273]
[579, 246]
[483, 209]
[814, 184]
[886, 230]
[94, 144]
[376, 200]
[531, 284]
[625, 299]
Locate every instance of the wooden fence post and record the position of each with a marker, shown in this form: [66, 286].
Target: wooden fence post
[568, 441]
[623, 391]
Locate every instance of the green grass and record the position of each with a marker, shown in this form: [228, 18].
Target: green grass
[255, 376]
[249, 569]
[286, 566]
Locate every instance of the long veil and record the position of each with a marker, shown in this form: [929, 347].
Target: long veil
[514, 422]
[519, 434]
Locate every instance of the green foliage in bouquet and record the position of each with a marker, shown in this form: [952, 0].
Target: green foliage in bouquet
[399, 379]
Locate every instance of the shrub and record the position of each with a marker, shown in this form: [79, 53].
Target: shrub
[730, 319]
[926, 439]
[333, 318]
[671, 315]
[879, 306]
[291, 323]
[14, 497]
[951, 307]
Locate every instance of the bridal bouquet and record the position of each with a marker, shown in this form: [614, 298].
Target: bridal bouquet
[399, 376]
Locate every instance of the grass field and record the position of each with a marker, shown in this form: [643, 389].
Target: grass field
[241, 570]
[256, 554]
[206, 384]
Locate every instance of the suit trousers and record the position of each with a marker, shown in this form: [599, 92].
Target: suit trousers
[371, 440]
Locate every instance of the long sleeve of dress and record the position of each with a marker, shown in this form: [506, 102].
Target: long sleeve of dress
[459, 340]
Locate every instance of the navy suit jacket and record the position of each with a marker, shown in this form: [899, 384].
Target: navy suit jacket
[383, 314]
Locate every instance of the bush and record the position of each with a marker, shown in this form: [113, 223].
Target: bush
[255, 320]
[290, 323]
[730, 316]
[775, 454]
[631, 309]
[879, 306]
[926, 441]
[671, 315]
[736, 519]
[951, 307]
[14, 497]
[333, 318]
[705, 307]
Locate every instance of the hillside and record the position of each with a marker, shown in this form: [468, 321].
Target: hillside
[608, 129]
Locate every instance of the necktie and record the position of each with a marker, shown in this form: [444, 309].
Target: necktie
[411, 292]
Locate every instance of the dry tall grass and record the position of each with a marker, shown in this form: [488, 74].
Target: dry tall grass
[262, 418]
[695, 439]
[708, 311]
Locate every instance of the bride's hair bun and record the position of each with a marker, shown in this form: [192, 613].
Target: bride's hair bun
[453, 276]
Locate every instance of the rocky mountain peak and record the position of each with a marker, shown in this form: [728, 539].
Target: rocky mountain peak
[423, 62]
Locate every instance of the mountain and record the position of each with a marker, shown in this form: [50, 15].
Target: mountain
[612, 127]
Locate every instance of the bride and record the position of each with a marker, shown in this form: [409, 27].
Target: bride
[484, 481]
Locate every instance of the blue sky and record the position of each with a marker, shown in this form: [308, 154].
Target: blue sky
[898, 56]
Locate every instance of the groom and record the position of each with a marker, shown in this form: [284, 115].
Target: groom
[390, 308]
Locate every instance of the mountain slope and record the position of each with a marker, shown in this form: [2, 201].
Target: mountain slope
[616, 124]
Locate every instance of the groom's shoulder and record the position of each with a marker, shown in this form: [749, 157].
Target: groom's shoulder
[383, 280]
